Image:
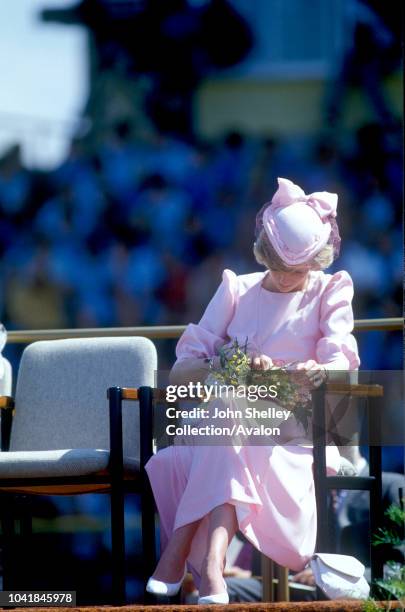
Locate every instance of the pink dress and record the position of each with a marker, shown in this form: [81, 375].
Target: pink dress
[271, 487]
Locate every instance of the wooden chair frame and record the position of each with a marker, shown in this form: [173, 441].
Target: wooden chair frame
[275, 577]
[113, 480]
[371, 483]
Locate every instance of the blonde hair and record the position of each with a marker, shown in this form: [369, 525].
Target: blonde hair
[266, 255]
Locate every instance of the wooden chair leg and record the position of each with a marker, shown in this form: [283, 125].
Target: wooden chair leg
[118, 544]
[8, 535]
[148, 536]
[281, 574]
[23, 537]
[26, 518]
[267, 569]
[148, 509]
[117, 498]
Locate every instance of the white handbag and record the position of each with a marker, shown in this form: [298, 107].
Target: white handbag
[340, 576]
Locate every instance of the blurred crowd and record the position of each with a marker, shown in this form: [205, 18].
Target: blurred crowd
[135, 226]
[136, 229]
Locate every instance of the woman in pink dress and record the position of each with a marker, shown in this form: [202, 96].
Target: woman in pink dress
[292, 312]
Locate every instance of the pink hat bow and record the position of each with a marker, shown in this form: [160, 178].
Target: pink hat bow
[323, 202]
[298, 225]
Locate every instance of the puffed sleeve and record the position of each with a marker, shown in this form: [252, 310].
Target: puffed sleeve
[337, 349]
[202, 340]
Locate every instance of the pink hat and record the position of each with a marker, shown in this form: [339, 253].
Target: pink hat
[298, 225]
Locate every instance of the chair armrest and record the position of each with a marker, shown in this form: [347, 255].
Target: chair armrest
[129, 393]
[335, 388]
[338, 388]
[7, 408]
[6, 402]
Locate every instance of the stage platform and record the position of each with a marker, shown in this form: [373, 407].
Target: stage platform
[308, 606]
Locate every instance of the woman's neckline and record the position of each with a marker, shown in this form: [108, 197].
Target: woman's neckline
[308, 285]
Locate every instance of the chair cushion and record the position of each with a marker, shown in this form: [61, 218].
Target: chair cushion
[61, 399]
[58, 463]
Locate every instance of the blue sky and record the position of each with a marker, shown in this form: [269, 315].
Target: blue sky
[43, 80]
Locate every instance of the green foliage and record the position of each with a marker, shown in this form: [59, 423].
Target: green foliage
[369, 605]
[396, 514]
[386, 536]
[393, 585]
[235, 364]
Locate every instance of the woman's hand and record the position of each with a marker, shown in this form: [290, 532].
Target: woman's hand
[261, 362]
[315, 373]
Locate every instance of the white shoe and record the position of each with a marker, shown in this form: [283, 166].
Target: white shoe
[158, 587]
[218, 598]
[340, 576]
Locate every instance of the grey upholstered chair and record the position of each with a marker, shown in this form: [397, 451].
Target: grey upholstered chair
[66, 438]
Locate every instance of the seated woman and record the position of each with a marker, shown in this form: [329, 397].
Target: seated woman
[291, 313]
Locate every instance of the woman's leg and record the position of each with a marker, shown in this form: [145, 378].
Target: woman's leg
[171, 563]
[222, 527]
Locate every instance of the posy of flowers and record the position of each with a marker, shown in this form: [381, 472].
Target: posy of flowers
[293, 387]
